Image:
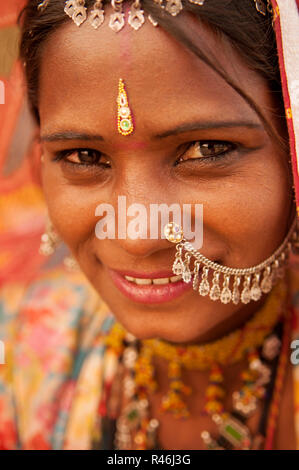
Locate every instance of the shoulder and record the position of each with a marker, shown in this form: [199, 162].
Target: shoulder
[57, 300]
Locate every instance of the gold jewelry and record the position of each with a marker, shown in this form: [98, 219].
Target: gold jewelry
[97, 15]
[262, 7]
[77, 11]
[124, 117]
[117, 19]
[50, 240]
[257, 279]
[136, 16]
[258, 341]
[232, 347]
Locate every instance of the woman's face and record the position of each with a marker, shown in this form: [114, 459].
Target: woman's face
[179, 105]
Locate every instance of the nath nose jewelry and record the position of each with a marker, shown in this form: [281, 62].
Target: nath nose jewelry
[124, 115]
[247, 284]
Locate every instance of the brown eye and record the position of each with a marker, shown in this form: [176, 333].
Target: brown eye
[87, 157]
[206, 150]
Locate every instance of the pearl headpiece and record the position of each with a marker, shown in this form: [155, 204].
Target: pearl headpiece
[77, 11]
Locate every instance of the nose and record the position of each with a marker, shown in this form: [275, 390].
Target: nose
[140, 204]
[134, 227]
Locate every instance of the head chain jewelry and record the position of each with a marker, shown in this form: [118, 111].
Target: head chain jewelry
[77, 11]
[255, 280]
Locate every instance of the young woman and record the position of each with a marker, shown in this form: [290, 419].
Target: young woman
[162, 103]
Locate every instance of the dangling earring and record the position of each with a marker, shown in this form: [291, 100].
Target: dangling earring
[70, 263]
[50, 241]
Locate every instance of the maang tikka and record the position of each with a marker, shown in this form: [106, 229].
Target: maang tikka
[124, 116]
[237, 284]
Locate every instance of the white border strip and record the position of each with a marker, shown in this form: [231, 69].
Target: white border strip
[289, 20]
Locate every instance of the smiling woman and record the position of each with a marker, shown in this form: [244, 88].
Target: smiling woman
[177, 104]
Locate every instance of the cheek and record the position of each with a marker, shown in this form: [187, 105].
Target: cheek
[252, 210]
[237, 209]
[245, 213]
[71, 207]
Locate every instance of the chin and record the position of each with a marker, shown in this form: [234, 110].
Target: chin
[176, 325]
[189, 318]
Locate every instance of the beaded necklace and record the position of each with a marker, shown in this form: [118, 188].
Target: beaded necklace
[125, 419]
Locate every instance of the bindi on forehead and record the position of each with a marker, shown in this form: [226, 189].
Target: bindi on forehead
[133, 145]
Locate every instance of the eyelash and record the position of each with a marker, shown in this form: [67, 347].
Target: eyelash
[212, 158]
[62, 155]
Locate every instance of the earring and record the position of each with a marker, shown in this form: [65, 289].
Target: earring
[70, 263]
[257, 280]
[50, 241]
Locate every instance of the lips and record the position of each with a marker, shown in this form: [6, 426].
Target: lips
[149, 288]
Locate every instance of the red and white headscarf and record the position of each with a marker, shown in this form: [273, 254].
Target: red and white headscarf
[286, 24]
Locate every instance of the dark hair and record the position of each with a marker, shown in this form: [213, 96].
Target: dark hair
[249, 32]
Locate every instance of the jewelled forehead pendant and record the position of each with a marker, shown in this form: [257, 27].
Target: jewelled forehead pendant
[124, 116]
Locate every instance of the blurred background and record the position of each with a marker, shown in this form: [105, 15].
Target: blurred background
[22, 208]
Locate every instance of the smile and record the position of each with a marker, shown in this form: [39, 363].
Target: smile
[151, 288]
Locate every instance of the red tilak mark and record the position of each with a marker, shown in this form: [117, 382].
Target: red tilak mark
[130, 145]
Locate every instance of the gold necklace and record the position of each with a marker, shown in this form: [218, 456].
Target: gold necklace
[135, 428]
[232, 347]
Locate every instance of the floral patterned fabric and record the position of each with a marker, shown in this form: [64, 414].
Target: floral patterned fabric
[49, 329]
[51, 384]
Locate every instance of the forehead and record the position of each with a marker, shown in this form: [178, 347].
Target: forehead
[165, 82]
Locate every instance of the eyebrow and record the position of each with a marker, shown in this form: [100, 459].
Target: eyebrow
[70, 135]
[196, 126]
[182, 128]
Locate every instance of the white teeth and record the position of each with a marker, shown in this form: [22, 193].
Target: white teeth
[162, 280]
[175, 278]
[143, 282]
[157, 281]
